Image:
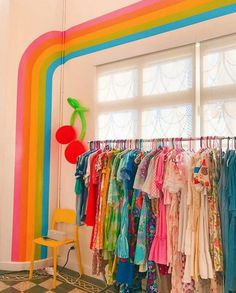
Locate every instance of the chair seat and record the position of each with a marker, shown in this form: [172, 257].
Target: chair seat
[52, 243]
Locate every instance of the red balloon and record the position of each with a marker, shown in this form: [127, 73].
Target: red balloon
[65, 134]
[73, 150]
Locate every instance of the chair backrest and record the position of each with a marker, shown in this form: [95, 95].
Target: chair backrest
[63, 216]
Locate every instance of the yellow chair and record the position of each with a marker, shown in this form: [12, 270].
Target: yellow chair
[60, 216]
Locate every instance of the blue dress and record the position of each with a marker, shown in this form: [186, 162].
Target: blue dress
[231, 261]
[126, 272]
[126, 174]
[227, 196]
[81, 190]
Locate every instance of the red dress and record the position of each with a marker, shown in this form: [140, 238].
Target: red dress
[92, 193]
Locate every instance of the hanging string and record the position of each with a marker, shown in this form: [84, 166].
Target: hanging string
[63, 27]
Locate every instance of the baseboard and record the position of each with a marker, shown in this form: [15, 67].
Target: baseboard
[73, 265]
[21, 266]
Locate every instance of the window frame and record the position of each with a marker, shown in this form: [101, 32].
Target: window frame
[196, 96]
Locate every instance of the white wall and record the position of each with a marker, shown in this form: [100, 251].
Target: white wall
[5, 144]
[21, 22]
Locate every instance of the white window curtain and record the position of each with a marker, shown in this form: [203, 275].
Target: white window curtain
[218, 86]
[149, 96]
[171, 93]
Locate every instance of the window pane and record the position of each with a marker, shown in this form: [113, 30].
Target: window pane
[117, 125]
[167, 122]
[219, 118]
[167, 77]
[117, 86]
[219, 68]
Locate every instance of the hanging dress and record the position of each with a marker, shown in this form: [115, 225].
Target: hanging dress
[231, 277]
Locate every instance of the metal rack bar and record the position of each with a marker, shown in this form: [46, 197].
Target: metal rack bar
[94, 144]
[175, 139]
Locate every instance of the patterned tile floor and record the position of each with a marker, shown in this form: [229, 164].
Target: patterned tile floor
[42, 282]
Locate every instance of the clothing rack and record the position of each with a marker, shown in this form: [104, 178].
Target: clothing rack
[138, 142]
[175, 141]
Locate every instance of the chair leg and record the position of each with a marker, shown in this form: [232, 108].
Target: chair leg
[54, 267]
[32, 261]
[81, 270]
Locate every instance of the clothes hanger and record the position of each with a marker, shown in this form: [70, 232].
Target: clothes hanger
[124, 144]
[181, 144]
[202, 146]
[213, 142]
[210, 142]
[178, 144]
[165, 148]
[191, 149]
[172, 143]
[206, 142]
[141, 144]
[228, 139]
[153, 144]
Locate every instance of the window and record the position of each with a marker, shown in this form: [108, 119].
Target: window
[220, 117]
[158, 95]
[117, 85]
[167, 77]
[121, 125]
[218, 87]
[220, 68]
[155, 122]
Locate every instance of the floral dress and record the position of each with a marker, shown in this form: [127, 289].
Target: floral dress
[126, 175]
[152, 278]
[113, 217]
[214, 215]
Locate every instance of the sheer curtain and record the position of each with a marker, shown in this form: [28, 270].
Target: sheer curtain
[154, 95]
[218, 89]
[149, 96]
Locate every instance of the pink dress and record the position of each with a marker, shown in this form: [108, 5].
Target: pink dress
[158, 252]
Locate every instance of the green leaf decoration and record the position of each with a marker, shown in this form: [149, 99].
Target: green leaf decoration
[78, 111]
[73, 103]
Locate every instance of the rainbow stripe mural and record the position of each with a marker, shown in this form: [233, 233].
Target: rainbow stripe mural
[34, 95]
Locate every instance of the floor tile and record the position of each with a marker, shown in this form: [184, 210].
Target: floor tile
[42, 283]
[10, 283]
[61, 290]
[3, 286]
[10, 290]
[36, 289]
[23, 286]
[76, 291]
[48, 284]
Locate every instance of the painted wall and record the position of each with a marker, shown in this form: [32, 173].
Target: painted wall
[21, 23]
[27, 21]
[79, 82]
[6, 140]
